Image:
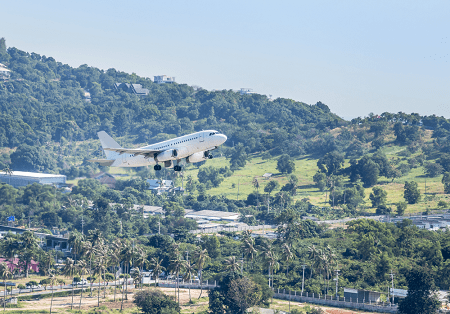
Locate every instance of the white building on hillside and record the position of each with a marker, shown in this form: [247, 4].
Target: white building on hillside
[4, 72]
[164, 79]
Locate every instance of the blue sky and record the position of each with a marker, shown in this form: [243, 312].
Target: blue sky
[356, 56]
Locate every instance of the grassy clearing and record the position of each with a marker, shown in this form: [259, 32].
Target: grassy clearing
[306, 167]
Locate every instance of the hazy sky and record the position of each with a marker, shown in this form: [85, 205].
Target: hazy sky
[355, 56]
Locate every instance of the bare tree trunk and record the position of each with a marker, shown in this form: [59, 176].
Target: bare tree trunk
[201, 283]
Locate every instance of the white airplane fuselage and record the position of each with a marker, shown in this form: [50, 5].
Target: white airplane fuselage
[187, 146]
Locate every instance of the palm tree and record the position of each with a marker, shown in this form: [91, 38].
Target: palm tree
[176, 264]
[201, 258]
[69, 270]
[137, 276]
[76, 243]
[5, 272]
[88, 252]
[115, 249]
[232, 264]
[82, 267]
[52, 278]
[141, 259]
[249, 249]
[127, 256]
[101, 255]
[188, 271]
[287, 255]
[27, 249]
[271, 259]
[157, 267]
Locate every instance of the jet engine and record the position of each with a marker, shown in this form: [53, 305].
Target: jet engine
[169, 154]
[197, 157]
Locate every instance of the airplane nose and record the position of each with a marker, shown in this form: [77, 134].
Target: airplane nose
[223, 138]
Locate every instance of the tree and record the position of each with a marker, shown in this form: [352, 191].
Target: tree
[155, 302]
[155, 263]
[446, 182]
[401, 207]
[421, 296]
[235, 294]
[272, 185]
[5, 272]
[378, 196]
[238, 157]
[4, 56]
[28, 250]
[320, 179]
[285, 164]
[201, 258]
[433, 169]
[242, 294]
[69, 270]
[411, 193]
[330, 163]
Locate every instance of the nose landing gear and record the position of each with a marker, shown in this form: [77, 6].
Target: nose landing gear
[177, 168]
[157, 167]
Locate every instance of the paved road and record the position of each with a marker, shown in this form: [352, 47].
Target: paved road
[57, 288]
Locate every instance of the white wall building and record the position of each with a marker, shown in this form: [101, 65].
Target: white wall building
[213, 215]
[164, 79]
[22, 178]
[246, 91]
[4, 72]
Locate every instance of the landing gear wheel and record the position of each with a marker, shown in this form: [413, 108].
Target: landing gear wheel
[177, 168]
[157, 167]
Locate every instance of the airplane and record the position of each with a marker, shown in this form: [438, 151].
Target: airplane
[189, 148]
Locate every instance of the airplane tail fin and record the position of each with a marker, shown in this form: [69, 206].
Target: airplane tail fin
[108, 142]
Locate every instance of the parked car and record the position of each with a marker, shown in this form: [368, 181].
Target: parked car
[81, 282]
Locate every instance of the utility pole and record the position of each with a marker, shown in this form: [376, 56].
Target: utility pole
[392, 279]
[337, 280]
[238, 191]
[82, 225]
[303, 279]
[242, 264]
[159, 226]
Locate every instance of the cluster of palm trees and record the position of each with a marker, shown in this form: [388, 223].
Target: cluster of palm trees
[323, 259]
[185, 267]
[93, 256]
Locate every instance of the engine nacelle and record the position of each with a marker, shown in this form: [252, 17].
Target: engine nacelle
[197, 157]
[169, 154]
[181, 152]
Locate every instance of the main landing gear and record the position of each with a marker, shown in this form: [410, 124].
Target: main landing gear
[177, 168]
[157, 167]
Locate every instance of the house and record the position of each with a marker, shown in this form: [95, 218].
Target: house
[4, 72]
[160, 186]
[246, 91]
[15, 263]
[136, 89]
[267, 175]
[105, 178]
[164, 79]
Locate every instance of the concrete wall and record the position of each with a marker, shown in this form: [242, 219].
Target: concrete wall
[336, 303]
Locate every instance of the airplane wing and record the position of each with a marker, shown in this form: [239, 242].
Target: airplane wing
[102, 162]
[135, 152]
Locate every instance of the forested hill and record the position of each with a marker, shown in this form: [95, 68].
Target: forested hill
[45, 101]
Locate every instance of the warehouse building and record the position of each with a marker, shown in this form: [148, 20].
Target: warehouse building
[213, 215]
[21, 178]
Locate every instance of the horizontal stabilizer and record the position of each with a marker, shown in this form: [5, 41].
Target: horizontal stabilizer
[102, 162]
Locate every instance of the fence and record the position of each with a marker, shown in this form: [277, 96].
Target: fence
[306, 297]
[220, 227]
[329, 300]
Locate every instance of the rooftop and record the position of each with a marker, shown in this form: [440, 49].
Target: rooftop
[32, 174]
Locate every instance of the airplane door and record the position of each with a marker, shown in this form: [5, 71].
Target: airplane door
[202, 137]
